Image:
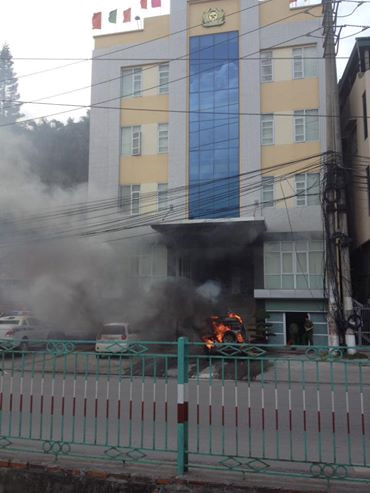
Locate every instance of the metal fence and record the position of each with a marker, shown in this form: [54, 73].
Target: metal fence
[363, 332]
[302, 412]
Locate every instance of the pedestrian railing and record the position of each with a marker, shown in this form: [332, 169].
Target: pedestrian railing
[247, 409]
[364, 328]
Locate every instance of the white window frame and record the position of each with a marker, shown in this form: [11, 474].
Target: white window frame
[162, 131]
[303, 187]
[294, 248]
[298, 73]
[134, 138]
[164, 77]
[183, 266]
[268, 188]
[300, 121]
[299, 57]
[135, 199]
[134, 75]
[144, 264]
[130, 201]
[162, 196]
[267, 123]
[301, 4]
[267, 62]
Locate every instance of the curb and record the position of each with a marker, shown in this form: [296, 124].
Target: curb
[71, 478]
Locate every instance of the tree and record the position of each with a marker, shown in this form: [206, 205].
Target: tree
[59, 152]
[9, 97]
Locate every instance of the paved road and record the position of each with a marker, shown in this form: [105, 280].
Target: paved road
[284, 411]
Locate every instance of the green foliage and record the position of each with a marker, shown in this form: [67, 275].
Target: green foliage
[59, 154]
[9, 97]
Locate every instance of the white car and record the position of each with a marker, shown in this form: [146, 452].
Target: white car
[19, 332]
[113, 338]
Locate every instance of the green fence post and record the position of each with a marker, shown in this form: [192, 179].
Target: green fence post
[182, 404]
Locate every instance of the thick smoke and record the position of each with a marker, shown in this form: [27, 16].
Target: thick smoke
[75, 284]
[210, 290]
[177, 307]
[61, 280]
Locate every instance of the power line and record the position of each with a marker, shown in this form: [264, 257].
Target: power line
[176, 80]
[183, 59]
[99, 104]
[111, 203]
[97, 57]
[145, 220]
[90, 206]
[155, 110]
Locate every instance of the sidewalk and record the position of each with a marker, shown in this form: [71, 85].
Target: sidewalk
[279, 367]
[38, 474]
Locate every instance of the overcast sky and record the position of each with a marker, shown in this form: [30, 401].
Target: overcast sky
[62, 29]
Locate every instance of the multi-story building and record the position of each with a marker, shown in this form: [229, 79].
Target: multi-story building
[217, 147]
[354, 93]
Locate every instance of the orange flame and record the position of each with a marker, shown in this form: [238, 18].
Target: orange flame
[219, 330]
[237, 317]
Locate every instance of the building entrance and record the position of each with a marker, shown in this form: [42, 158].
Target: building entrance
[294, 322]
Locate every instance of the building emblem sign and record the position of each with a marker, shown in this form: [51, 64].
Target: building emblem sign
[213, 17]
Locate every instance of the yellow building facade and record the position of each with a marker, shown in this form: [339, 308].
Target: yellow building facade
[221, 121]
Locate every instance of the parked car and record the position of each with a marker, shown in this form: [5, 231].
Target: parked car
[19, 331]
[113, 338]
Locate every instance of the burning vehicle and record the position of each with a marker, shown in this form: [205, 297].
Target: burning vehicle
[228, 329]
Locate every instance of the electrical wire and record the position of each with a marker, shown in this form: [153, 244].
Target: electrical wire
[173, 81]
[158, 38]
[166, 111]
[98, 205]
[118, 78]
[130, 223]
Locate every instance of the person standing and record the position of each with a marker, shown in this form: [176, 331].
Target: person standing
[308, 331]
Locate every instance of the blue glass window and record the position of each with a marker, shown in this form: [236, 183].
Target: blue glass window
[214, 126]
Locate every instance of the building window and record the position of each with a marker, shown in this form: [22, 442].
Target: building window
[305, 62]
[364, 112]
[267, 129]
[294, 264]
[308, 189]
[162, 196]
[132, 82]
[266, 66]
[214, 123]
[163, 138]
[267, 191]
[299, 4]
[131, 141]
[306, 125]
[164, 73]
[148, 262]
[183, 266]
[130, 199]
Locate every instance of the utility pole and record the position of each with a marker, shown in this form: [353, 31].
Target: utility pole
[338, 267]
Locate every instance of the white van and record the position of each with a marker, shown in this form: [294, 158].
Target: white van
[113, 338]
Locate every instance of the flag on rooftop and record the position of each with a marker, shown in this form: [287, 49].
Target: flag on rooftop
[113, 16]
[144, 4]
[156, 3]
[127, 15]
[96, 20]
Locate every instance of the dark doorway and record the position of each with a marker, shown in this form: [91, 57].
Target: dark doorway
[294, 337]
